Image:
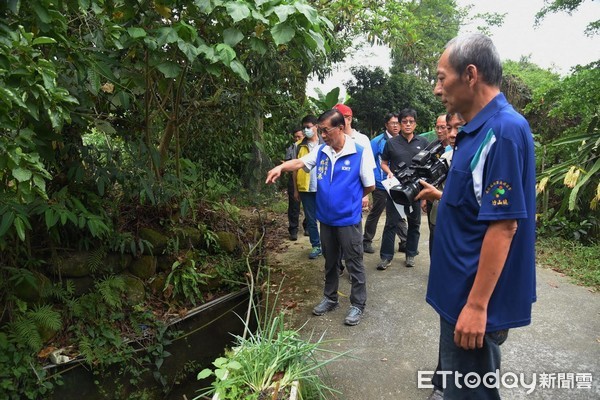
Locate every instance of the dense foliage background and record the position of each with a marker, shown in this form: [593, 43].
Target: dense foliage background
[119, 115]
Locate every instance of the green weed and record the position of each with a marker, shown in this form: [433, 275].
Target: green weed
[270, 361]
[578, 261]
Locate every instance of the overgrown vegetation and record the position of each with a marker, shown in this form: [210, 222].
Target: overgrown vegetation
[570, 257]
[115, 195]
[131, 130]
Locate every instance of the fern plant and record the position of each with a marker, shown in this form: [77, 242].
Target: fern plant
[124, 242]
[111, 290]
[31, 327]
[95, 260]
[95, 322]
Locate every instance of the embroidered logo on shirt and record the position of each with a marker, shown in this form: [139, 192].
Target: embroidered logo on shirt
[346, 166]
[322, 169]
[499, 193]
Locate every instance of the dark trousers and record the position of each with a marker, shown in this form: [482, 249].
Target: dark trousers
[392, 218]
[380, 198]
[477, 361]
[293, 211]
[309, 204]
[346, 240]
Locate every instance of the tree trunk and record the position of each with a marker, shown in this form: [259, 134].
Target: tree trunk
[259, 164]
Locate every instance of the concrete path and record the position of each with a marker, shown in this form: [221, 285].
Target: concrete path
[398, 334]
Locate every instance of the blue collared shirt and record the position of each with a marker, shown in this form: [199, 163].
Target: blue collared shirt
[492, 178]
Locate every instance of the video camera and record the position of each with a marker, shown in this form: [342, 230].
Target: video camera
[426, 165]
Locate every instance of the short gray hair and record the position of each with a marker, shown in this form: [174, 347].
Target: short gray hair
[479, 50]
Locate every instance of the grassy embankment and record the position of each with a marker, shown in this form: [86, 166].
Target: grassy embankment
[581, 263]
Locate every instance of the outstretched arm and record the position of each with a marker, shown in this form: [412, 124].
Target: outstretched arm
[290, 165]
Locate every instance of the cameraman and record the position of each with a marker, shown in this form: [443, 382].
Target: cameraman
[401, 149]
[380, 195]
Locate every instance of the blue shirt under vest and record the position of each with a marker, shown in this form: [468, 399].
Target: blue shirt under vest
[377, 145]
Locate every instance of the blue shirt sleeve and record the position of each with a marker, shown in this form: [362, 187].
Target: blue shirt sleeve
[502, 194]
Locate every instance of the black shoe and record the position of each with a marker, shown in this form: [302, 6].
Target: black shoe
[325, 306]
[293, 236]
[367, 248]
[353, 317]
[306, 233]
[402, 247]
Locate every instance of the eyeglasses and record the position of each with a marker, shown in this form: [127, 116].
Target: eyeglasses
[440, 127]
[321, 130]
[393, 123]
[408, 122]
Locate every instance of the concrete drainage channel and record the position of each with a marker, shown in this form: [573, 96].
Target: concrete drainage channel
[205, 332]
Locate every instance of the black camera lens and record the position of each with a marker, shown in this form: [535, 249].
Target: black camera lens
[405, 194]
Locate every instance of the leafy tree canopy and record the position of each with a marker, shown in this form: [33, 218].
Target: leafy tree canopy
[375, 93]
[568, 6]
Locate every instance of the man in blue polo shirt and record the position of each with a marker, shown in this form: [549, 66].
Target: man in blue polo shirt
[344, 177]
[482, 276]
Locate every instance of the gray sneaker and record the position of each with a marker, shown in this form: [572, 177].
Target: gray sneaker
[383, 264]
[410, 261]
[353, 317]
[436, 395]
[325, 306]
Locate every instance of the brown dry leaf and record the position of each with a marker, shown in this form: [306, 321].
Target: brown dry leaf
[290, 304]
[45, 352]
[552, 284]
